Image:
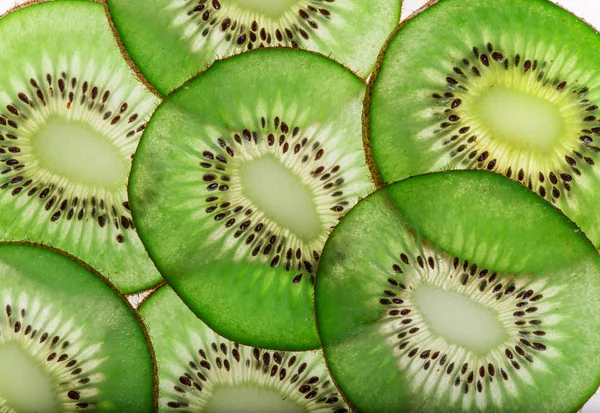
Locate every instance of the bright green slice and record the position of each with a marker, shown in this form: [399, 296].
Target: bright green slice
[200, 371]
[237, 182]
[172, 40]
[460, 292]
[71, 115]
[68, 341]
[512, 88]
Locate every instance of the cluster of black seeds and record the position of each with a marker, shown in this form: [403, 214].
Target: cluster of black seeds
[465, 146]
[527, 343]
[55, 348]
[238, 218]
[242, 34]
[268, 366]
[21, 180]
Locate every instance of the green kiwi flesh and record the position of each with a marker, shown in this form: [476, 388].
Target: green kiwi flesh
[71, 116]
[68, 340]
[237, 182]
[201, 371]
[510, 89]
[460, 292]
[172, 40]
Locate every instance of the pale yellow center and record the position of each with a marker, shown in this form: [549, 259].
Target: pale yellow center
[271, 7]
[250, 399]
[281, 196]
[525, 120]
[459, 319]
[73, 149]
[23, 384]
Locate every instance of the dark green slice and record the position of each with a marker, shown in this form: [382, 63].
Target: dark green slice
[171, 41]
[460, 292]
[68, 340]
[238, 180]
[71, 114]
[201, 371]
[510, 88]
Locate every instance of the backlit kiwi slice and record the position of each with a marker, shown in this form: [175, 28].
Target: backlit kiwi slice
[172, 40]
[68, 341]
[200, 371]
[71, 115]
[460, 292]
[510, 88]
[238, 180]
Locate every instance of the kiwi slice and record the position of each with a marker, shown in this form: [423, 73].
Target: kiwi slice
[200, 371]
[510, 89]
[71, 116]
[237, 182]
[170, 41]
[68, 340]
[460, 292]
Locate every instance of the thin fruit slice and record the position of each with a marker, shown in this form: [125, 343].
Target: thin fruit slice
[71, 116]
[237, 182]
[460, 292]
[200, 371]
[68, 341]
[171, 41]
[511, 89]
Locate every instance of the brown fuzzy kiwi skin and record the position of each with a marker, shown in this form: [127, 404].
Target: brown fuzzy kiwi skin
[136, 71]
[121, 296]
[366, 132]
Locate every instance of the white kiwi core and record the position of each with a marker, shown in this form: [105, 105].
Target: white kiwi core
[250, 399]
[272, 7]
[76, 151]
[525, 120]
[23, 384]
[459, 319]
[281, 196]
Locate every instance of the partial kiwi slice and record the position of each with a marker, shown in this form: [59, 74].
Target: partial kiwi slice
[200, 371]
[460, 292]
[510, 88]
[237, 182]
[68, 340]
[71, 116]
[171, 41]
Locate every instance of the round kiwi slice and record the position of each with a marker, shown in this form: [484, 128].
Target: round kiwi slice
[237, 182]
[200, 371]
[510, 89]
[170, 41]
[71, 116]
[460, 292]
[68, 340]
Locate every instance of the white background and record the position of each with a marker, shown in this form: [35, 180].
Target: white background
[588, 10]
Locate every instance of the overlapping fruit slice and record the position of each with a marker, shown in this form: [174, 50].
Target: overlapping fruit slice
[71, 114]
[171, 41]
[68, 341]
[238, 180]
[512, 88]
[200, 371]
[460, 292]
